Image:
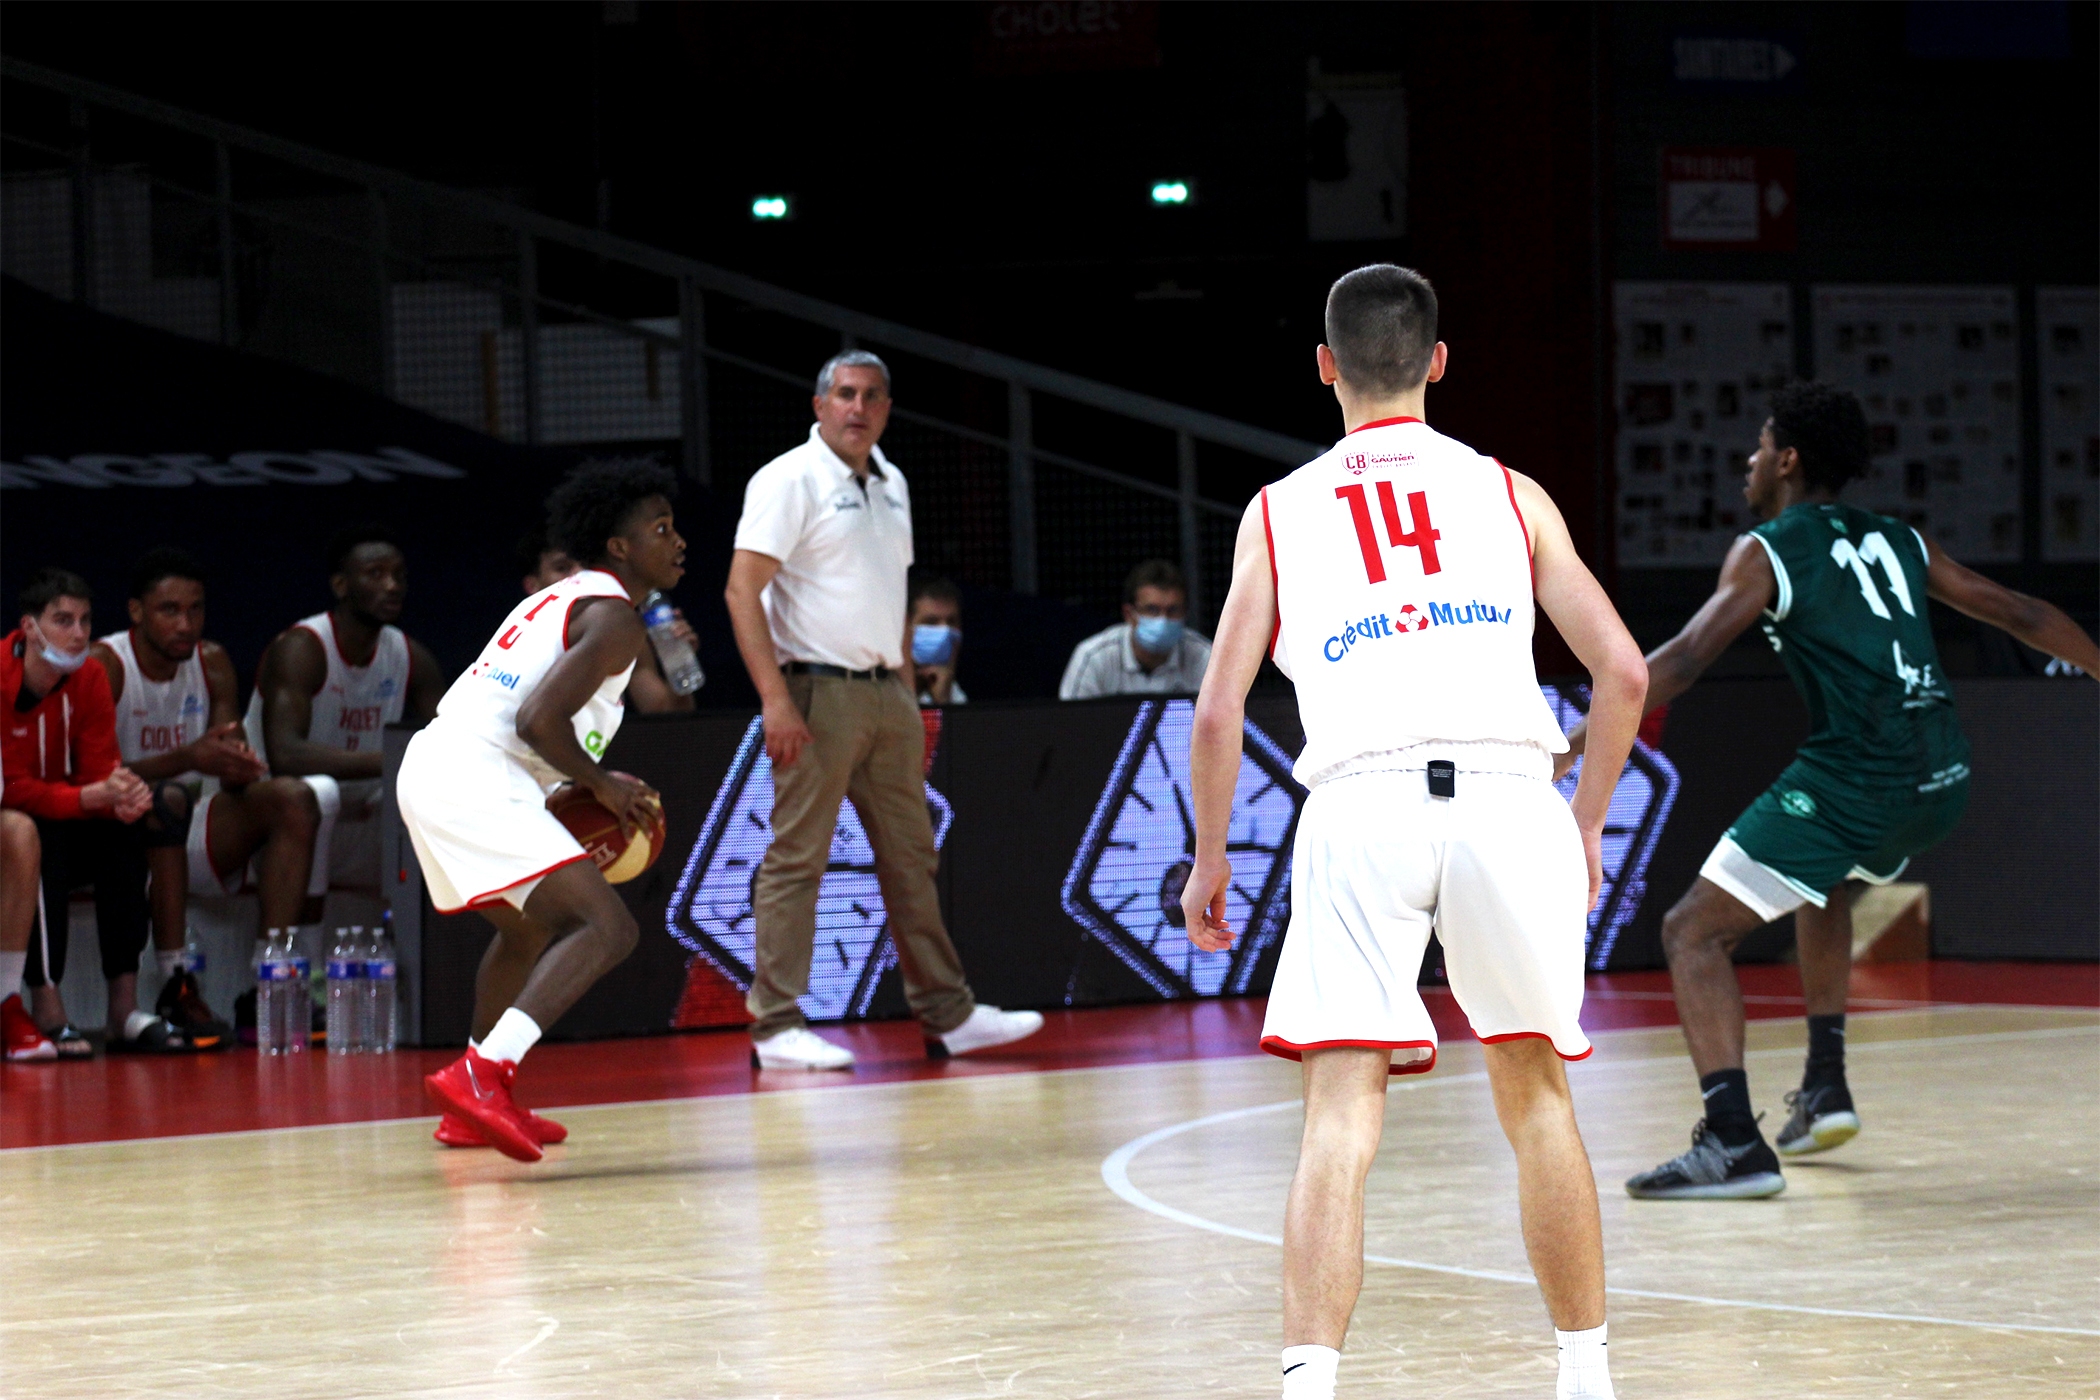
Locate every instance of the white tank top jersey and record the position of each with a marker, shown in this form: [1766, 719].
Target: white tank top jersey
[157, 716]
[1403, 588]
[354, 702]
[484, 701]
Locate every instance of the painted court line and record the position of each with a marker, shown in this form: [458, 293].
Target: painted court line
[1115, 1174]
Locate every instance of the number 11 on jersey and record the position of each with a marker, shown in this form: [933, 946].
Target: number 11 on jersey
[1420, 534]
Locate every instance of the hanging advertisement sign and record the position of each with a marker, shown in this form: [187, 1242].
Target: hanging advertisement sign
[1728, 198]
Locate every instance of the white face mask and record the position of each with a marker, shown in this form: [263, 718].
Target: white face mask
[65, 663]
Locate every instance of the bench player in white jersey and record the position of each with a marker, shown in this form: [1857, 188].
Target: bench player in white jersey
[215, 810]
[1393, 579]
[538, 709]
[327, 688]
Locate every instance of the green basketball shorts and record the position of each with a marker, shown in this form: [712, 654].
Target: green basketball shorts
[1807, 834]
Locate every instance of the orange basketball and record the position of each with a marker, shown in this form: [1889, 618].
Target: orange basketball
[618, 858]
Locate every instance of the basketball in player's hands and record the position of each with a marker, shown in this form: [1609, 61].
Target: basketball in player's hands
[618, 856]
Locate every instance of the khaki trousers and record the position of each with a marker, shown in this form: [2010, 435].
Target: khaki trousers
[869, 746]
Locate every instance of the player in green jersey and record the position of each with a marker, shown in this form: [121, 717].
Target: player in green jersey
[1883, 775]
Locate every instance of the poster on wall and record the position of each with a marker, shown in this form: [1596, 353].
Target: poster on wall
[1694, 363]
[2067, 349]
[1938, 369]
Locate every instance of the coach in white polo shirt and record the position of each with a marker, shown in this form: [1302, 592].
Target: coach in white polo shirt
[816, 594]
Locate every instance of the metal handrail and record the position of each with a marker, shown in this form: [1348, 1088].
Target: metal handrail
[1128, 403]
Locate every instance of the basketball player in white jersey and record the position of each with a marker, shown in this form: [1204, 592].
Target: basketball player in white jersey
[215, 809]
[537, 710]
[1393, 579]
[329, 685]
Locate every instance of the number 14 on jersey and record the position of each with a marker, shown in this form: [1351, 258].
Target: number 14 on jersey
[1419, 535]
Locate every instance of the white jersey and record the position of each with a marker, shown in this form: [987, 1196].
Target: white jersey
[1403, 588]
[156, 717]
[354, 703]
[483, 703]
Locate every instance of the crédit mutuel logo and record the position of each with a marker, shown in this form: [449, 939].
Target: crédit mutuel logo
[1409, 619]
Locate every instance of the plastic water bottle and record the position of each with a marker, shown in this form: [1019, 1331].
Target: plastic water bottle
[379, 991]
[273, 971]
[681, 668]
[192, 952]
[295, 1006]
[346, 993]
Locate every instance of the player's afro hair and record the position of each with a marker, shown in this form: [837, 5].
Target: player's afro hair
[1827, 427]
[595, 500]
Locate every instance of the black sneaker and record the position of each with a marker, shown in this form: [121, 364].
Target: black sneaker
[1823, 1118]
[1712, 1171]
[182, 1005]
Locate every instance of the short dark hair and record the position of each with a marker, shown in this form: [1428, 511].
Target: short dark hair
[531, 546]
[344, 543]
[50, 583]
[165, 561]
[1826, 426]
[1155, 573]
[595, 500]
[1381, 326]
[925, 583]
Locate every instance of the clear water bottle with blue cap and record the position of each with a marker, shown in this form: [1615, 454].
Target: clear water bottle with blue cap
[379, 989]
[680, 667]
[346, 992]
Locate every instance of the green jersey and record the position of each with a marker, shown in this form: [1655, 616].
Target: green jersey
[1851, 623]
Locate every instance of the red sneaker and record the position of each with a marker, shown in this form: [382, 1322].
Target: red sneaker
[478, 1090]
[23, 1040]
[455, 1131]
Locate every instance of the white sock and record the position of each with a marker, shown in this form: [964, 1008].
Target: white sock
[170, 960]
[513, 1034]
[1308, 1372]
[12, 966]
[1584, 1374]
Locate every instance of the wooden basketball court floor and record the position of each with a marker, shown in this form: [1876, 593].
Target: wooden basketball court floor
[1097, 1217]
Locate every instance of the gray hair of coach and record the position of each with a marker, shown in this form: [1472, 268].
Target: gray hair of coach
[849, 357]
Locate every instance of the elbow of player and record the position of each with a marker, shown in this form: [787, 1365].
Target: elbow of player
[1626, 675]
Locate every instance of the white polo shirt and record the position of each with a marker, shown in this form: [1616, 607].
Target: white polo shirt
[844, 547]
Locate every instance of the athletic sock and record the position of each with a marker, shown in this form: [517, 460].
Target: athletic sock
[513, 1034]
[170, 960]
[12, 966]
[1308, 1372]
[1584, 1373]
[1826, 1050]
[1728, 1114]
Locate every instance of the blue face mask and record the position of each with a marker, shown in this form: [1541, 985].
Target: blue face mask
[65, 663]
[932, 646]
[1158, 635]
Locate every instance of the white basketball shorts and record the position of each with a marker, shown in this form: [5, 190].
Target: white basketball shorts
[1496, 870]
[479, 823]
[206, 879]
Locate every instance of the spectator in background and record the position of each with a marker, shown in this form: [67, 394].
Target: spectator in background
[817, 597]
[215, 809]
[935, 609]
[647, 691]
[20, 855]
[540, 564]
[60, 756]
[1151, 651]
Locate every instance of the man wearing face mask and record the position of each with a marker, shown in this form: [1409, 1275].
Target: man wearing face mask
[1150, 652]
[936, 638]
[60, 755]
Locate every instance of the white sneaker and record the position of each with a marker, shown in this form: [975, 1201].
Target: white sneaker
[987, 1026]
[800, 1048]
